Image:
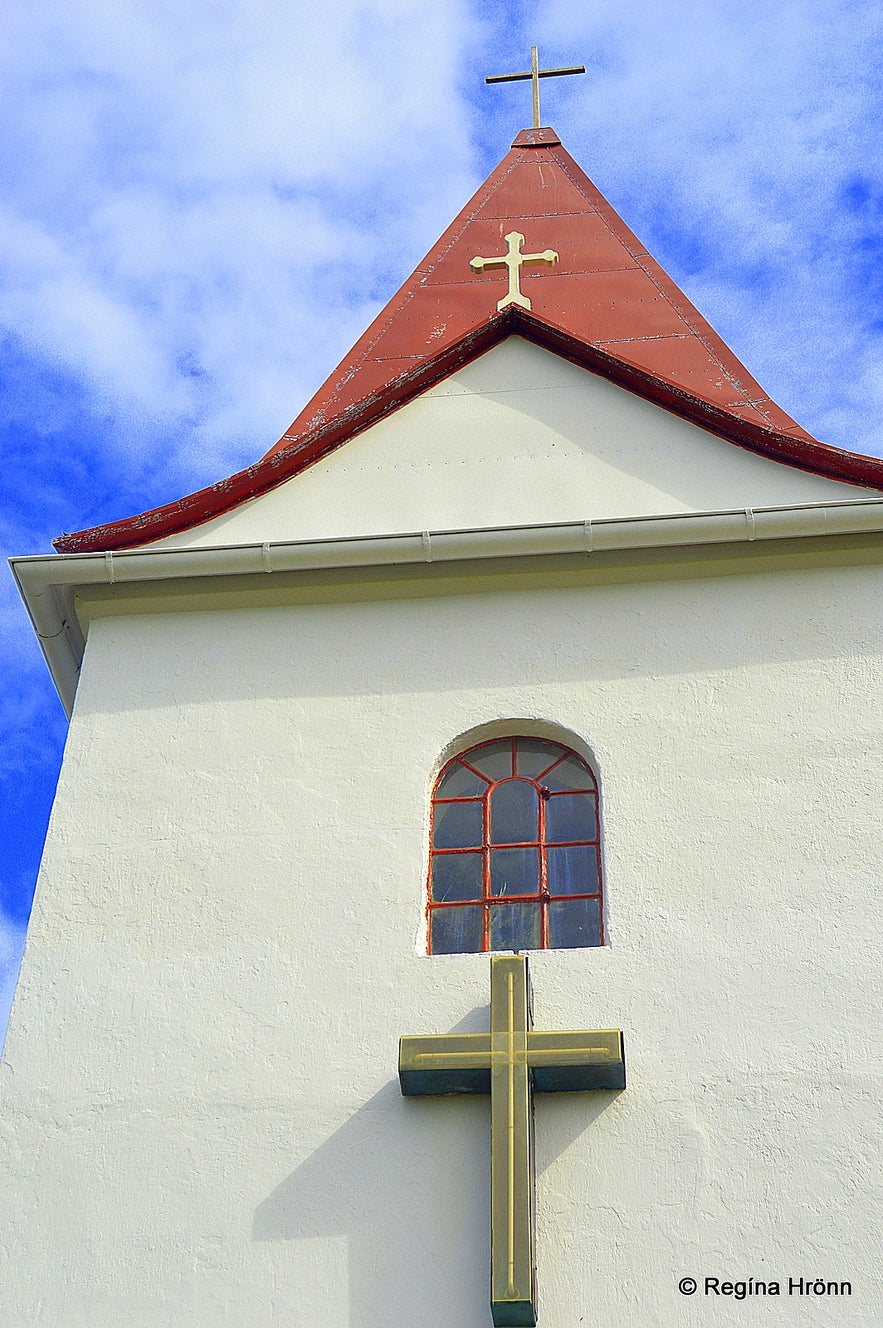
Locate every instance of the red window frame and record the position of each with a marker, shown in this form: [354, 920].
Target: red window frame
[542, 893]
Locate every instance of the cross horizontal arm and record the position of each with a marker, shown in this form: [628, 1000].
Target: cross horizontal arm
[478, 264]
[455, 1063]
[574, 1062]
[541, 73]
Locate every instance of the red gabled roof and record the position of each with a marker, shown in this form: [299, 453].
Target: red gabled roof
[606, 304]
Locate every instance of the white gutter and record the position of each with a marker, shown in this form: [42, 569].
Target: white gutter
[47, 583]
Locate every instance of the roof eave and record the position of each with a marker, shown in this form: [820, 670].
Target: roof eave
[53, 588]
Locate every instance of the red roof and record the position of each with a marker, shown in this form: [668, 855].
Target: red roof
[606, 304]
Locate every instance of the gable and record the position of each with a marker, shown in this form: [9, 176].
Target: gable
[518, 436]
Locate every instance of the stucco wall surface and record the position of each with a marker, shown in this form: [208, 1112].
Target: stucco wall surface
[199, 1113]
[516, 437]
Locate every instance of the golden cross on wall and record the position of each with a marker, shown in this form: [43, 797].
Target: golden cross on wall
[511, 1062]
[513, 259]
[535, 74]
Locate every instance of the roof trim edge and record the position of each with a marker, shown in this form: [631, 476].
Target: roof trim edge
[278, 466]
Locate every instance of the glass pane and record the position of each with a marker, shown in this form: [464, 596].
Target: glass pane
[457, 824]
[515, 813]
[535, 756]
[460, 783]
[456, 876]
[494, 759]
[572, 871]
[574, 922]
[515, 871]
[515, 927]
[570, 816]
[456, 930]
[570, 774]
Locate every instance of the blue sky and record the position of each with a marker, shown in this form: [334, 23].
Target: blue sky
[205, 204]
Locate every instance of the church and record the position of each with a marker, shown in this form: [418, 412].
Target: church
[459, 904]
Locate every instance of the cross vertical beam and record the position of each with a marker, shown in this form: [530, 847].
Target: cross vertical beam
[513, 1261]
[509, 1063]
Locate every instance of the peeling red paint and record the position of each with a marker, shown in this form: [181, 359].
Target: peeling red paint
[607, 305]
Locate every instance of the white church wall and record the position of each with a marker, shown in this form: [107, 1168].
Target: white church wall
[518, 436]
[200, 1114]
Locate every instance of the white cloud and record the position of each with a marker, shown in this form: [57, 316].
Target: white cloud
[200, 195]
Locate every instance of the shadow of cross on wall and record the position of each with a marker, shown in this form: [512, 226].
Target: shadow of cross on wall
[407, 1184]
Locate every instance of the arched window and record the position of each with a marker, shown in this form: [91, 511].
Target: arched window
[515, 858]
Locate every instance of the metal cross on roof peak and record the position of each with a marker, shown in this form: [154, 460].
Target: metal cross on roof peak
[535, 74]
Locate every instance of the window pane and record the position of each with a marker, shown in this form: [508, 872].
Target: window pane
[535, 756]
[570, 774]
[515, 927]
[457, 825]
[456, 876]
[570, 816]
[574, 922]
[515, 808]
[456, 930]
[515, 871]
[493, 760]
[460, 783]
[572, 871]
